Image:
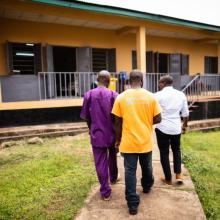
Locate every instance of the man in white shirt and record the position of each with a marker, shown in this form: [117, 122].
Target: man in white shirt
[174, 106]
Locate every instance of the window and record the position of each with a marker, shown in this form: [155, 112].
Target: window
[103, 59]
[24, 58]
[164, 62]
[211, 64]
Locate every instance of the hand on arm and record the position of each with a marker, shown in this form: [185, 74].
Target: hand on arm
[185, 115]
[157, 119]
[157, 112]
[88, 123]
[118, 130]
[85, 114]
[185, 125]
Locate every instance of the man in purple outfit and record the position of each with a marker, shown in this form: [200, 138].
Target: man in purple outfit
[96, 110]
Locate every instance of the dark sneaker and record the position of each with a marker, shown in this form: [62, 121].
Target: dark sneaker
[146, 190]
[133, 211]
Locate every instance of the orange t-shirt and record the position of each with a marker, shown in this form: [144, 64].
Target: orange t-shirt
[136, 107]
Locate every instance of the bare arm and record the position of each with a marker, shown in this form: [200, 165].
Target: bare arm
[185, 114]
[185, 121]
[185, 125]
[157, 119]
[118, 129]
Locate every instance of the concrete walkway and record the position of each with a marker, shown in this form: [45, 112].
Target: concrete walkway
[163, 202]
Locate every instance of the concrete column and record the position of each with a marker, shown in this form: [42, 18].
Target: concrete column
[141, 49]
[218, 54]
[141, 52]
[0, 92]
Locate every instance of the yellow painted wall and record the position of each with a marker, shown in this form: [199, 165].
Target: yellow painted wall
[3, 64]
[40, 104]
[196, 51]
[55, 34]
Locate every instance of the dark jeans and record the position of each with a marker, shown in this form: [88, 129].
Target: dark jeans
[147, 180]
[164, 141]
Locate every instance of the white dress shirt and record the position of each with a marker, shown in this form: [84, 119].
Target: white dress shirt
[173, 104]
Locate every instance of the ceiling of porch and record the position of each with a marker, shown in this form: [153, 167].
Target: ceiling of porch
[45, 18]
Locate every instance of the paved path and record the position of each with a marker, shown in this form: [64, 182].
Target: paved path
[163, 202]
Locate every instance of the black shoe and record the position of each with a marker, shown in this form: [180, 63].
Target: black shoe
[146, 190]
[133, 211]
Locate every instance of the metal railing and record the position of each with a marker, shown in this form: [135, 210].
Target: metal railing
[192, 90]
[210, 85]
[65, 85]
[152, 81]
[201, 87]
[68, 85]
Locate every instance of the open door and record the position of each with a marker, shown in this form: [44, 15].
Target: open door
[184, 64]
[149, 62]
[84, 67]
[48, 81]
[175, 63]
[156, 62]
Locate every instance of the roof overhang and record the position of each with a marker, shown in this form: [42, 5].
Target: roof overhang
[129, 13]
[82, 15]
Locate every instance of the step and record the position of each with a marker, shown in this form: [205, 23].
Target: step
[37, 129]
[44, 134]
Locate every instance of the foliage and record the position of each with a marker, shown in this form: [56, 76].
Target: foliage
[201, 155]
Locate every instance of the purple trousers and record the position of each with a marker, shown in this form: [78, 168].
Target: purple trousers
[106, 167]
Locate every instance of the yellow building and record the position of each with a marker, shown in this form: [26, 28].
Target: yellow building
[50, 50]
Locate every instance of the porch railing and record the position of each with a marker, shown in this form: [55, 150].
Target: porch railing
[66, 85]
[202, 87]
[152, 81]
[192, 90]
[62, 85]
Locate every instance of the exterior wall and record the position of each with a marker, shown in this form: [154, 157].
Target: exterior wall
[25, 31]
[16, 31]
[41, 104]
[196, 51]
[3, 64]
[19, 88]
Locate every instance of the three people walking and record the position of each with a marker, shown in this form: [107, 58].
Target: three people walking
[126, 122]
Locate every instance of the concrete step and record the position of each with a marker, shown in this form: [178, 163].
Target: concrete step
[45, 134]
[204, 125]
[15, 133]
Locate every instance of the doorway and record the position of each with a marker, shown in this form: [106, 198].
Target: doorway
[64, 60]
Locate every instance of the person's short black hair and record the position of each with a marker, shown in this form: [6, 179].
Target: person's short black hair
[136, 76]
[168, 80]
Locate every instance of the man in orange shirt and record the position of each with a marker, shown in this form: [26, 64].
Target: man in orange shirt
[136, 111]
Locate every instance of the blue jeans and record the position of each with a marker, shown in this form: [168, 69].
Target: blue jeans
[147, 180]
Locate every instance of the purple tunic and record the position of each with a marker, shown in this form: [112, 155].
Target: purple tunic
[97, 106]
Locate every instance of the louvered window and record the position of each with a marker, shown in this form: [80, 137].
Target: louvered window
[103, 59]
[24, 58]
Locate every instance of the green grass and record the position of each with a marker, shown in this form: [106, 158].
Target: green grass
[48, 181]
[201, 155]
